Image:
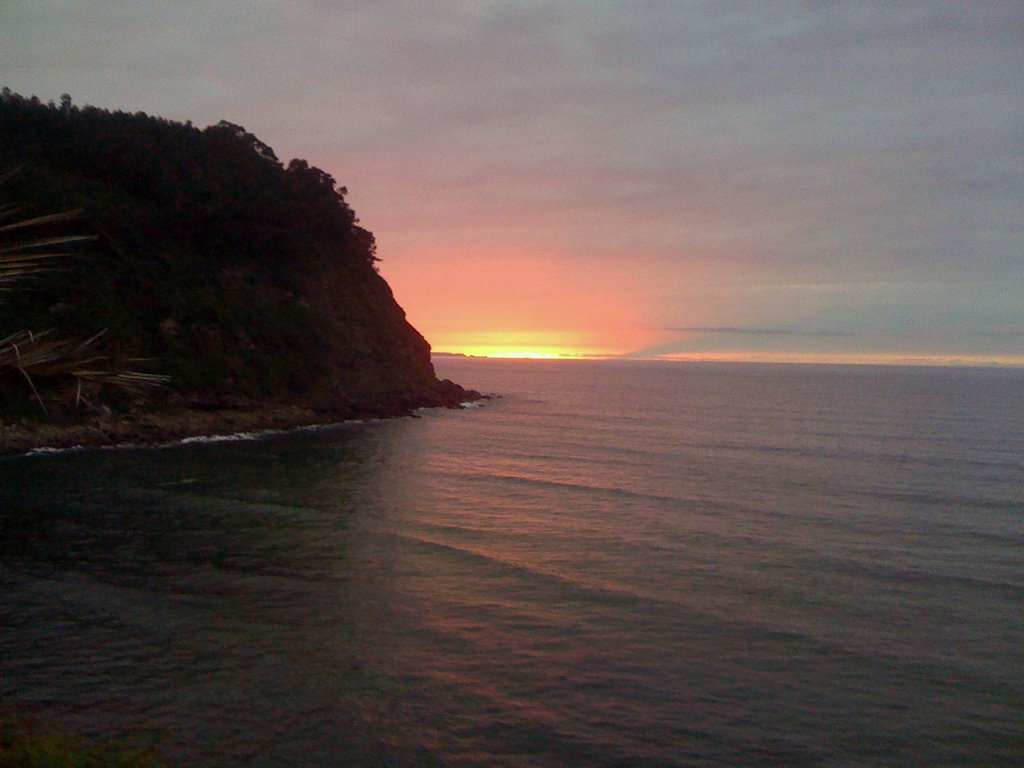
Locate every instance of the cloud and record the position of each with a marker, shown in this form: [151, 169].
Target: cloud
[709, 147]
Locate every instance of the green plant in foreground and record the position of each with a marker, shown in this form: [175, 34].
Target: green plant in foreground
[24, 745]
[41, 356]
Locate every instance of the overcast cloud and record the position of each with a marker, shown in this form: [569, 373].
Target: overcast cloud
[841, 175]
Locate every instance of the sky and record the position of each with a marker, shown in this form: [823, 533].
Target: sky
[807, 181]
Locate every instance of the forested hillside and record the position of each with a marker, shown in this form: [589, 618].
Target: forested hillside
[239, 277]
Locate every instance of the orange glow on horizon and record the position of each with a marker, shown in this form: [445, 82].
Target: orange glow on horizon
[530, 354]
[524, 344]
[522, 353]
[507, 302]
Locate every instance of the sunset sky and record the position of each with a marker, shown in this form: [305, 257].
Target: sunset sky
[740, 180]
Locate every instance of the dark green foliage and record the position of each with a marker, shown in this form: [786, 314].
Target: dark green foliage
[213, 256]
[152, 179]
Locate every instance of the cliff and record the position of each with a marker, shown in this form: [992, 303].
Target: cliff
[247, 282]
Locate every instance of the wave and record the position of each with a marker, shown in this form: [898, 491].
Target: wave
[567, 485]
[50, 450]
[941, 500]
[552, 607]
[905, 575]
[229, 437]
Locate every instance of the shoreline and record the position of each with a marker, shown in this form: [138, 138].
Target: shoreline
[151, 429]
[164, 428]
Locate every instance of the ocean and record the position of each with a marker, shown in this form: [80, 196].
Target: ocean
[613, 564]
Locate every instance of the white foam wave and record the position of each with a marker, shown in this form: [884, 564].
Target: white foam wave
[229, 438]
[50, 450]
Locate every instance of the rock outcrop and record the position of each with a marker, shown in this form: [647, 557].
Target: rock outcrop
[248, 282]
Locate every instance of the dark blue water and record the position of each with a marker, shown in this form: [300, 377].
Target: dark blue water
[616, 564]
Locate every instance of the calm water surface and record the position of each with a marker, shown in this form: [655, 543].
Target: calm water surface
[615, 564]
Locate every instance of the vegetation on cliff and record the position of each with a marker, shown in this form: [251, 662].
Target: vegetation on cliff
[68, 369]
[240, 277]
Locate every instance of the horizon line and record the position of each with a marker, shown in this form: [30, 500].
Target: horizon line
[909, 361]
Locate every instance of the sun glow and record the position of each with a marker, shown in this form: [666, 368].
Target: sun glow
[522, 344]
[496, 301]
[530, 354]
[520, 353]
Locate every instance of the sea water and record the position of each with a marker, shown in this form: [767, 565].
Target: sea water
[614, 564]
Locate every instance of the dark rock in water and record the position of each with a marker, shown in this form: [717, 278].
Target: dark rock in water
[451, 394]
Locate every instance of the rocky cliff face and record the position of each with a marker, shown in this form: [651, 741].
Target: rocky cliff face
[244, 280]
[374, 354]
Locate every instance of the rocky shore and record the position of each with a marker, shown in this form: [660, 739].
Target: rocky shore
[210, 417]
